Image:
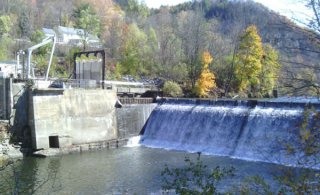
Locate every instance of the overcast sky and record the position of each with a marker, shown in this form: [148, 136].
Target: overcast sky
[290, 8]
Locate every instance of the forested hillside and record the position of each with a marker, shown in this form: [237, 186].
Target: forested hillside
[171, 43]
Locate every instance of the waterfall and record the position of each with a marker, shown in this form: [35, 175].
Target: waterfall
[133, 141]
[249, 130]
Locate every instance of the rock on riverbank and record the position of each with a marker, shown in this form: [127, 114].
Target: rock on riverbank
[7, 150]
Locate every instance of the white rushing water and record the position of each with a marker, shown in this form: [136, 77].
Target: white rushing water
[250, 133]
[134, 141]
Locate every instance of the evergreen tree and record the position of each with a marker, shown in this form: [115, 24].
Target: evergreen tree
[24, 25]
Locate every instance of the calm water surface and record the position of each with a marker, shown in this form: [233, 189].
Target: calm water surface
[118, 171]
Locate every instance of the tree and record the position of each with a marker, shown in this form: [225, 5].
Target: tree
[152, 63]
[86, 20]
[36, 38]
[24, 24]
[115, 37]
[136, 12]
[133, 52]
[4, 25]
[168, 47]
[270, 70]
[192, 30]
[300, 75]
[172, 89]
[18, 177]
[194, 178]
[248, 60]
[108, 12]
[206, 81]
[5, 43]
[314, 22]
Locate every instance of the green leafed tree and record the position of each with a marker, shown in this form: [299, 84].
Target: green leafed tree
[5, 43]
[172, 89]
[134, 51]
[270, 70]
[36, 38]
[136, 11]
[87, 20]
[248, 60]
[5, 40]
[4, 25]
[194, 178]
[151, 61]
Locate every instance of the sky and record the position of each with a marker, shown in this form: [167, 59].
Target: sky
[293, 9]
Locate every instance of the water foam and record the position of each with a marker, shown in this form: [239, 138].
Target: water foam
[133, 142]
[257, 134]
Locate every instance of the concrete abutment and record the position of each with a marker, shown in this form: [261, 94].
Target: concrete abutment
[73, 119]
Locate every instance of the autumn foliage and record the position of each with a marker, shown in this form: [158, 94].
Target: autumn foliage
[206, 81]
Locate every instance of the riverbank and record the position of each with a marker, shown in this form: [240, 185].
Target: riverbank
[8, 150]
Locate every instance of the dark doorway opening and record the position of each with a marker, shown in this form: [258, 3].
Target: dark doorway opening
[54, 141]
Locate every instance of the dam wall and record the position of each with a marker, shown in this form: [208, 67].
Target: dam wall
[131, 118]
[62, 118]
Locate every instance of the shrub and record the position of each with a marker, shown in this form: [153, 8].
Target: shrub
[172, 89]
[194, 178]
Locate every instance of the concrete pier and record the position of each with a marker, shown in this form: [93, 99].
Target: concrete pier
[61, 118]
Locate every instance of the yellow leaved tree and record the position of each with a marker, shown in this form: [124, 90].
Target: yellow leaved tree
[206, 81]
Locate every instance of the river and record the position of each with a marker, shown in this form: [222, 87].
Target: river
[127, 170]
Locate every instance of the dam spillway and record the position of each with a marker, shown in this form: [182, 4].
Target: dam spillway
[249, 130]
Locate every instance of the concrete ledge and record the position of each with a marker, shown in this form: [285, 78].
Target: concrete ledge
[247, 103]
[48, 92]
[81, 148]
[136, 100]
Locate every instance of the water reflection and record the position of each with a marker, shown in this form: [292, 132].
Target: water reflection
[30, 175]
[125, 170]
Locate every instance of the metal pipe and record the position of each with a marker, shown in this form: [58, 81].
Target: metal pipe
[51, 56]
[30, 50]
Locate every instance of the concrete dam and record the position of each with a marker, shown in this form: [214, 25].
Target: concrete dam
[246, 129]
[250, 130]
[43, 118]
[64, 118]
